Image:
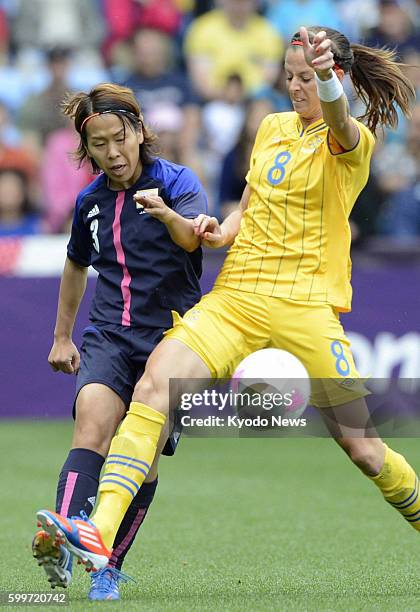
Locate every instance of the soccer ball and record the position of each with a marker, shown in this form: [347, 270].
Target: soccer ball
[271, 383]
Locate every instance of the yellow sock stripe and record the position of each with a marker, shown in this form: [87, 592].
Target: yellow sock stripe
[408, 501]
[111, 480]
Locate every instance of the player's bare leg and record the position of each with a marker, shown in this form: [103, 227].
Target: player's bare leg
[353, 431]
[131, 454]
[99, 410]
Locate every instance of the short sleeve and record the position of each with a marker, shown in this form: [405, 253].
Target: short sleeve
[187, 195]
[79, 246]
[363, 149]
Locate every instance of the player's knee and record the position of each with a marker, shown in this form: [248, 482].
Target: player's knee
[91, 432]
[150, 390]
[365, 454]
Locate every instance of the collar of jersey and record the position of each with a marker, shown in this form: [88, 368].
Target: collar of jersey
[314, 126]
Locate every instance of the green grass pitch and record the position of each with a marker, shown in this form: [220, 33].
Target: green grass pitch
[249, 524]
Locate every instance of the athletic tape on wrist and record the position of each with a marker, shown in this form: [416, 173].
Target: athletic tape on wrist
[331, 90]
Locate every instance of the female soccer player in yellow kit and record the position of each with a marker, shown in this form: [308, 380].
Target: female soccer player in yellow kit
[284, 281]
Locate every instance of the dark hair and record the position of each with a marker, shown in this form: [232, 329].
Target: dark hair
[108, 98]
[376, 76]
[27, 205]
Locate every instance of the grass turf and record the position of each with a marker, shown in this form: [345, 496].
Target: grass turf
[251, 524]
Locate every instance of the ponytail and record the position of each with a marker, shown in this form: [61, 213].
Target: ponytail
[381, 85]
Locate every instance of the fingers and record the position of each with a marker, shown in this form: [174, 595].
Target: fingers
[68, 366]
[150, 201]
[203, 223]
[76, 363]
[197, 223]
[209, 237]
[325, 61]
[319, 38]
[304, 37]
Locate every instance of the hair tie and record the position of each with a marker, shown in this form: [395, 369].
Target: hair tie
[106, 112]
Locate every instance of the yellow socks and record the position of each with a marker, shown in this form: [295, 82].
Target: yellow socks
[129, 459]
[400, 486]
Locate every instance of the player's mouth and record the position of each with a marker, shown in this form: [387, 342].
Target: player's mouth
[118, 169]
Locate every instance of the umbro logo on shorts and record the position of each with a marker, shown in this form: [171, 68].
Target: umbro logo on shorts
[93, 212]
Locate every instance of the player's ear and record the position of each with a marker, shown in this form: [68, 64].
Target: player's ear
[140, 134]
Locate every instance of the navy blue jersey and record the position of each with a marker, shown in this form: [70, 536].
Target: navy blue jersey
[143, 274]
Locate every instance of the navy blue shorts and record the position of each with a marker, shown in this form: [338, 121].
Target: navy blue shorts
[116, 355]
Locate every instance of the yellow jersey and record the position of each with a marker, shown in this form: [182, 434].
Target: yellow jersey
[230, 51]
[294, 238]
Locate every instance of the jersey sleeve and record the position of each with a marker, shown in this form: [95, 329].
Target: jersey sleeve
[79, 246]
[187, 195]
[363, 149]
[261, 133]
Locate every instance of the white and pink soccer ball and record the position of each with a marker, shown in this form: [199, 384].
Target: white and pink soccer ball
[274, 371]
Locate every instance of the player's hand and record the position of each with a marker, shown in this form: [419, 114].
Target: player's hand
[209, 231]
[64, 357]
[155, 207]
[318, 54]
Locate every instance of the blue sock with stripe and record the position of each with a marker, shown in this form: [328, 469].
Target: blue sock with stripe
[132, 522]
[78, 482]
[400, 486]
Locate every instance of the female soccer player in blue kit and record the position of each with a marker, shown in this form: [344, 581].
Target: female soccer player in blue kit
[134, 225]
[284, 282]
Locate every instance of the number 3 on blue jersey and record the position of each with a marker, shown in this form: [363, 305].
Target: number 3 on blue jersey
[94, 231]
[280, 162]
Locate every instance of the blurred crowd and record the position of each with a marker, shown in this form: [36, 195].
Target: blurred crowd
[205, 74]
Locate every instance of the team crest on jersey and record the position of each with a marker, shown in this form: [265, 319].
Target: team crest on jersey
[93, 212]
[312, 144]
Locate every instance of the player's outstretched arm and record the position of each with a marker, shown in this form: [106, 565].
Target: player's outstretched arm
[180, 229]
[64, 355]
[334, 104]
[216, 236]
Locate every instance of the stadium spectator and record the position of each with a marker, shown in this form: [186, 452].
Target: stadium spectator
[18, 158]
[236, 163]
[61, 180]
[357, 16]
[167, 124]
[232, 39]
[43, 24]
[41, 113]
[399, 174]
[395, 29]
[226, 113]
[9, 133]
[18, 216]
[160, 88]
[124, 17]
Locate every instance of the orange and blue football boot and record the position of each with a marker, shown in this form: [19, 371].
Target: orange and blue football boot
[79, 536]
[54, 558]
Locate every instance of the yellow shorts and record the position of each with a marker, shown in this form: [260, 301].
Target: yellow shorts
[227, 325]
